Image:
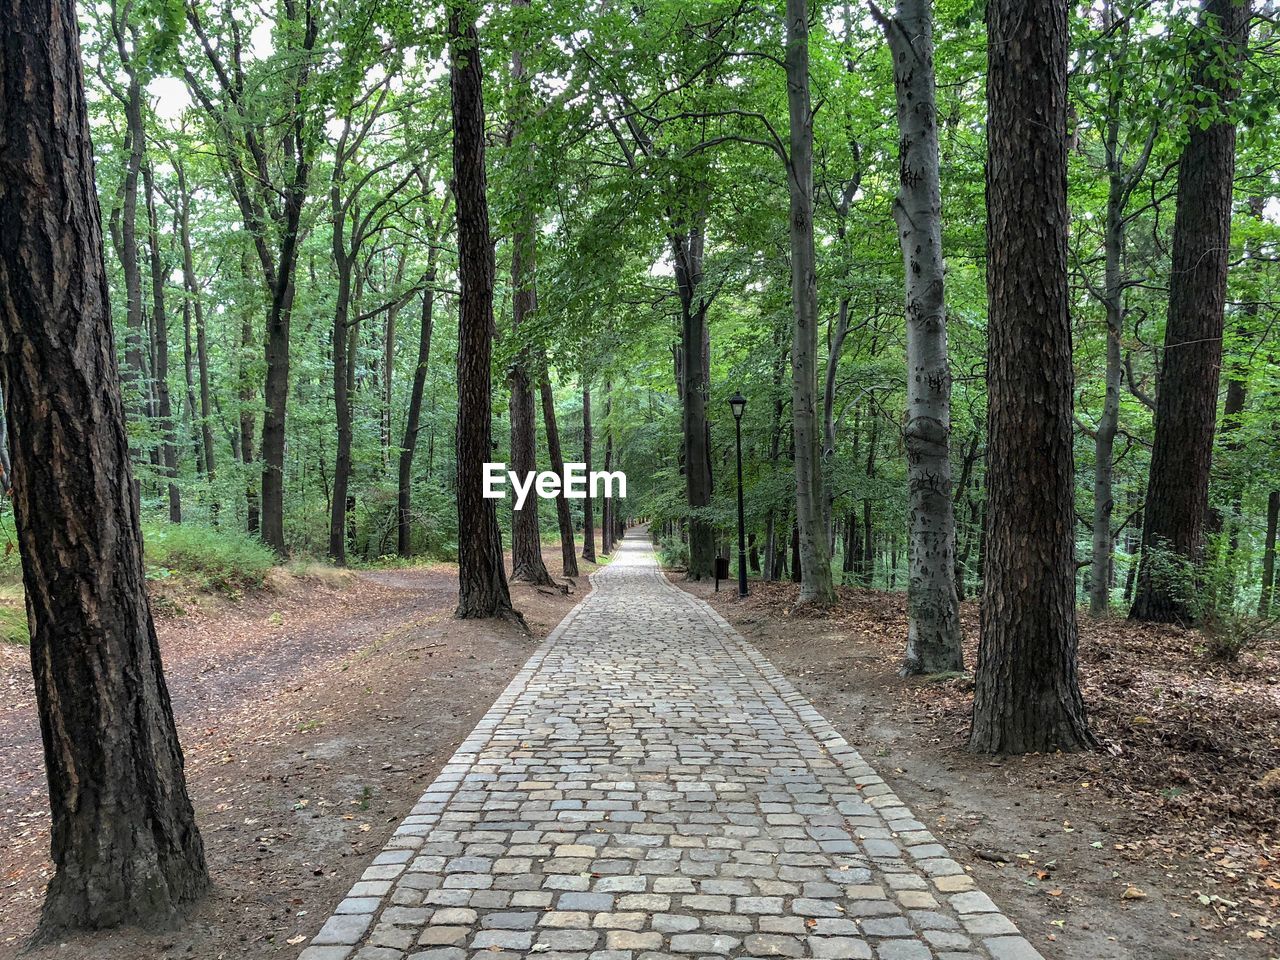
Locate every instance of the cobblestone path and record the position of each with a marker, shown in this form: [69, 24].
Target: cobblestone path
[649, 786]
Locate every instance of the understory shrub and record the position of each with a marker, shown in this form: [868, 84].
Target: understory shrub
[225, 560]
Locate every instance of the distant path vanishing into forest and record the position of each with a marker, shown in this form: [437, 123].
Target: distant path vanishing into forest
[649, 784]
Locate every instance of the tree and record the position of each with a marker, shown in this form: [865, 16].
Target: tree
[160, 338]
[125, 846]
[413, 419]
[815, 557]
[568, 550]
[482, 579]
[934, 634]
[588, 512]
[1177, 501]
[1027, 694]
[526, 531]
[271, 193]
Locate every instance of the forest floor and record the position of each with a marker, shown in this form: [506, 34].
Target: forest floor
[1162, 844]
[313, 715]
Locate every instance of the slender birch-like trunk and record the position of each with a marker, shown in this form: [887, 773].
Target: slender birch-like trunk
[934, 633]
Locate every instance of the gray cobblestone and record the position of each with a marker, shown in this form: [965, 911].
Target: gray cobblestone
[649, 787]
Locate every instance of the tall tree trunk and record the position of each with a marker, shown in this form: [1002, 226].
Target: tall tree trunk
[772, 568]
[1122, 180]
[192, 416]
[160, 321]
[202, 340]
[526, 530]
[1186, 407]
[124, 845]
[838, 336]
[412, 423]
[866, 575]
[341, 400]
[815, 556]
[1269, 555]
[135, 377]
[934, 634]
[342, 346]
[248, 427]
[276, 341]
[1027, 693]
[568, 550]
[606, 503]
[482, 578]
[389, 362]
[588, 511]
[1104, 437]
[688, 247]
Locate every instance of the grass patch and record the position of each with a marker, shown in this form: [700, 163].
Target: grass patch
[226, 561]
[13, 624]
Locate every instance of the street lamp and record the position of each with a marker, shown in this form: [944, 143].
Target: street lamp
[738, 404]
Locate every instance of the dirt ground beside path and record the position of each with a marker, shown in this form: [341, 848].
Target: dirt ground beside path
[312, 718]
[1075, 849]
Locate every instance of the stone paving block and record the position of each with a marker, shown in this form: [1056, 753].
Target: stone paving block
[649, 787]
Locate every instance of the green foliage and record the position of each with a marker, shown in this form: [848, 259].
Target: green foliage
[217, 559]
[673, 553]
[13, 622]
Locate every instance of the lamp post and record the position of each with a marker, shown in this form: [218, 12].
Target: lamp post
[738, 403]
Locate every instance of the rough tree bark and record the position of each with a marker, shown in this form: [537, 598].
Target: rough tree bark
[815, 557]
[124, 842]
[588, 510]
[934, 634]
[1027, 694]
[1187, 404]
[482, 579]
[687, 248]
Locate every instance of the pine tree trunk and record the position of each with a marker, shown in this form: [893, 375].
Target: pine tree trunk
[687, 255]
[1027, 694]
[934, 634]
[413, 421]
[124, 845]
[815, 555]
[482, 579]
[1187, 404]
[588, 511]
